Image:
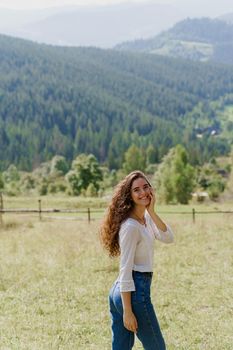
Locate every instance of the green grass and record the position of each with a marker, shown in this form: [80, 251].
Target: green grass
[55, 278]
[98, 205]
[53, 201]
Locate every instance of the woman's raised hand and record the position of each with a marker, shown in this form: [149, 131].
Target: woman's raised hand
[150, 207]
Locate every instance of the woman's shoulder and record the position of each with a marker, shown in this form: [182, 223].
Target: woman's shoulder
[129, 222]
[129, 225]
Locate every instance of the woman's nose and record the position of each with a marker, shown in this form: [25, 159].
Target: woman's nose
[142, 191]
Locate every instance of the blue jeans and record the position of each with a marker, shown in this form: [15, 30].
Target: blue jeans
[148, 332]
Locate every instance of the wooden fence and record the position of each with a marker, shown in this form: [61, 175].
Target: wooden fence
[88, 213]
[41, 212]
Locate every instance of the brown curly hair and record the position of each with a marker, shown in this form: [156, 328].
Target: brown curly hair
[118, 210]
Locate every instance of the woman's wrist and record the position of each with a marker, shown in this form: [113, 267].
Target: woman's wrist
[126, 301]
[128, 311]
[151, 211]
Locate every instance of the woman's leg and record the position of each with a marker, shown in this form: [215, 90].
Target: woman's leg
[122, 339]
[149, 332]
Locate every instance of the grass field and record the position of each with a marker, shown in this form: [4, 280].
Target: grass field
[55, 278]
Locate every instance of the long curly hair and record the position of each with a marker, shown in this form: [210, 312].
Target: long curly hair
[118, 210]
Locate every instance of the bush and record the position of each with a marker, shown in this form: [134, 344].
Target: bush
[11, 174]
[27, 183]
[59, 165]
[1, 182]
[91, 191]
[43, 189]
[52, 188]
[211, 180]
[85, 171]
[175, 178]
[216, 187]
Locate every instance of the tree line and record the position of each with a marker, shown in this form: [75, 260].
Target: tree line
[175, 178]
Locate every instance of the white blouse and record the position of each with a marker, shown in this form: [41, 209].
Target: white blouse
[137, 248]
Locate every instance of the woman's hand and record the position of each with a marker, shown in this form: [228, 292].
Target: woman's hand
[130, 321]
[150, 207]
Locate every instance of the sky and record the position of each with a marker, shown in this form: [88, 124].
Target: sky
[209, 8]
[32, 4]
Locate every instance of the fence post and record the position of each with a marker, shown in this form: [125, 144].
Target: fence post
[39, 202]
[1, 207]
[194, 218]
[89, 215]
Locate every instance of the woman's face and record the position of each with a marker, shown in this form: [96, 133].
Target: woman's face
[141, 192]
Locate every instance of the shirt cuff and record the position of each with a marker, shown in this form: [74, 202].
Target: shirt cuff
[127, 286]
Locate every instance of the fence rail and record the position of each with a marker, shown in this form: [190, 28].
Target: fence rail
[88, 212]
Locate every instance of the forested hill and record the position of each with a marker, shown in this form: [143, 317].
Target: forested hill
[56, 100]
[199, 39]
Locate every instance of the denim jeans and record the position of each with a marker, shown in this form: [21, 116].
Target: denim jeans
[148, 332]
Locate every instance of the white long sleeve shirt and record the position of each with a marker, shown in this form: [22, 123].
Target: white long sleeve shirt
[137, 248]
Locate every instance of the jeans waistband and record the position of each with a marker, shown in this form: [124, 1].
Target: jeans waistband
[146, 274]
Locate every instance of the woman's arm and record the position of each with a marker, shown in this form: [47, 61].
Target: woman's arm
[129, 318]
[165, 233]
[158, 222]
[128, 240]
[161, 231]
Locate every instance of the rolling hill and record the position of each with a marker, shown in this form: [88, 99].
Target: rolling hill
[201, 39]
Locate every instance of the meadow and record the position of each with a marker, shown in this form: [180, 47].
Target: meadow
[55, 278]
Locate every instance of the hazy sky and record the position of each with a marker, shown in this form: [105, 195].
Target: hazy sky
[209, 8]
[22, 4]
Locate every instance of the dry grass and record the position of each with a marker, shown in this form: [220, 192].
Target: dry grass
[55, 278]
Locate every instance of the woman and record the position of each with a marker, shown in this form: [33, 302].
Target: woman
[129, 230]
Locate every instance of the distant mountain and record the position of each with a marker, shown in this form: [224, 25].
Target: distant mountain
[201, 39]
[105, 25]
[59, 100]
[101, 26]
[13, 21]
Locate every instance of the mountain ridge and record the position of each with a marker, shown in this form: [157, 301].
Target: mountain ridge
[102, 26]
[200, 39]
